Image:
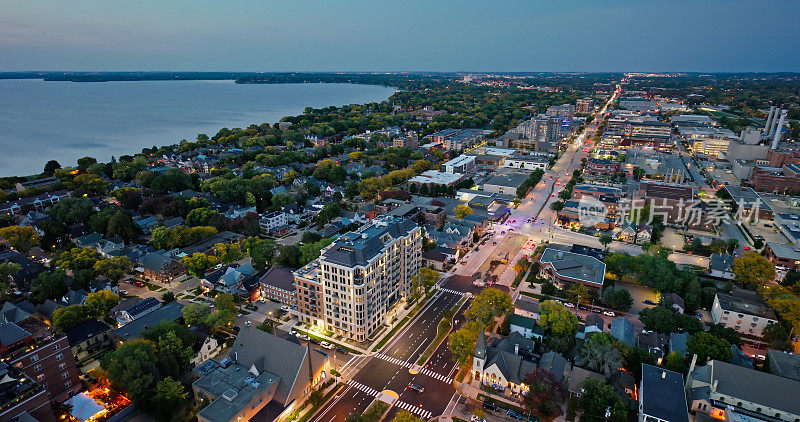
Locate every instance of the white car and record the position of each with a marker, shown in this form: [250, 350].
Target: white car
[247, 323]
[475, 418]
[569, 305]
[609, 313]
[326, 345]
[478, 283]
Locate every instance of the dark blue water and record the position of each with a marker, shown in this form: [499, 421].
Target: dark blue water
[40, 121]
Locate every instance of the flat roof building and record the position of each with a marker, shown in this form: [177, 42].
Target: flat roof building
[566, 268]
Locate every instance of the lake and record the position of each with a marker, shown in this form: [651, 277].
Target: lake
[64, 121]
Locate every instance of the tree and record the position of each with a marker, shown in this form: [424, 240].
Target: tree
[556, 319]
[557, 206]
[262, 254]
[85, 162]
[488, 305]
[122, 225]
[77, 259]
[619, 299]
[113, 268]
[289, 256]
[758, 243]
[706, 347]
[426, 278]
[598, 399]
[91, 183]
[201, 216]
[21, 238]
[462, 341]
[48, 286]
[545, 395]
[195, 313]
[72, 210]
[605, 240]
[133, 368]
[634, 357]
[731, 245]
[170, 396]
[732, 336]
[665, 320]
[311, 251]
[405, 416]
[7, 271]
[753, 270]
[228, 253]
[101, 302]
[578, 293]
[70, 316]
[675, 361]
[198, 263]
[168, 297]
[462, 211]
[603, 358]
[51, 167]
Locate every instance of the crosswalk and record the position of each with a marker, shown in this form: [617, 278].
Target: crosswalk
[423, 371]
[363, 388]
[439, 377]
[393, 360]
[422, 413]
[455, 292]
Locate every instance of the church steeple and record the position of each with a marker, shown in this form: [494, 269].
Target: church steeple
[480, 346]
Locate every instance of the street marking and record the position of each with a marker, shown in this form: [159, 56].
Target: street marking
[424, 414]
[408, 365]
[363, 388]
[439, 377]
[455, 292]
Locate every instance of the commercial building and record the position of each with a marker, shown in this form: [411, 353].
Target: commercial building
[505, 183]
[720, 390]
[409, 141]
[526, 162]
[22, 398]
[363, 275]
[597, 166]
[748, 200]
[584, 106]
[777, 180]
[567, 268]
[783, 254]
[433, 177]
[662, 397]
[460, 164]
[745, 313]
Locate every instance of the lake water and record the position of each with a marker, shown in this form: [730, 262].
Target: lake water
[64, 121]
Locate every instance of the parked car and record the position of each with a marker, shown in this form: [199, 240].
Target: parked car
[326, 345]
[476, 418]
[648, 302]
[513, 414]
[609, 313]
[489, 405]
[415, 387]
[569, 305]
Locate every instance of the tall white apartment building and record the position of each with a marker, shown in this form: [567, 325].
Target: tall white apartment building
[365, 273]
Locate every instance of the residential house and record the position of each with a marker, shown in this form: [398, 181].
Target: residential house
[527, 308]
[784, 364]
[661, 396]
[206, 345]
[655, 343]
[138, 310]
[622, 330]
[434, 259]
[677, 343]
[275, 223]
[160, 266]
[526, 327]
[89, 340]
[133, 330]
[577, 378]
[504, 365]
[567, 268]
[720, 266]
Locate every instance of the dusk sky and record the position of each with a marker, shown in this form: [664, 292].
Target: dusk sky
[409, 35]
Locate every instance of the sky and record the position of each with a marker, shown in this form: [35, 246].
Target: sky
[407, 35]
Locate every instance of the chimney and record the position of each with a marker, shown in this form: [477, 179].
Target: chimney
[516, 349]
[778, 128]
[770, 116]
[663, 375]
[714, 387]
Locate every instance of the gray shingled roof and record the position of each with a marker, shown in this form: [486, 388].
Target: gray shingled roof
[662, 394]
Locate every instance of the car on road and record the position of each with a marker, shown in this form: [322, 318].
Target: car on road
[595, 310]
[247, 323]
[478, 283]
[489, 405]
[648, 302]
[494, 243]
[513, 414]
[569, 305]
[415, 387]
[326, 345]
[138, 283]
[239, 315]
[609, 313]
[314, 340]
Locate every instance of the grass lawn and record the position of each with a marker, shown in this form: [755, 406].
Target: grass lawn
[374, 413]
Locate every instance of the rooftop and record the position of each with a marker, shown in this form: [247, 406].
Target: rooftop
[575, 266]
[745, 304]
[756, 386]
[662, 394]
[280, 277]
[133, 330]
[436, 177]
[235, 387]
[358, 248]
[785, 250]
[510, 180]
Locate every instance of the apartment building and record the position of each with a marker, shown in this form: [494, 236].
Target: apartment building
[272, 221]
[42, 353]
[360, 277]
[584, 105]
[745, 313]
[460, 164]
[564, 269]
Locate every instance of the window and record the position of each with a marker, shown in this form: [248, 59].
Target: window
[56, 347]
[68, 384]
[34, 358]
[62, 366]
[60, 356]
[37, 368]
[64, 375]
[40, 377]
